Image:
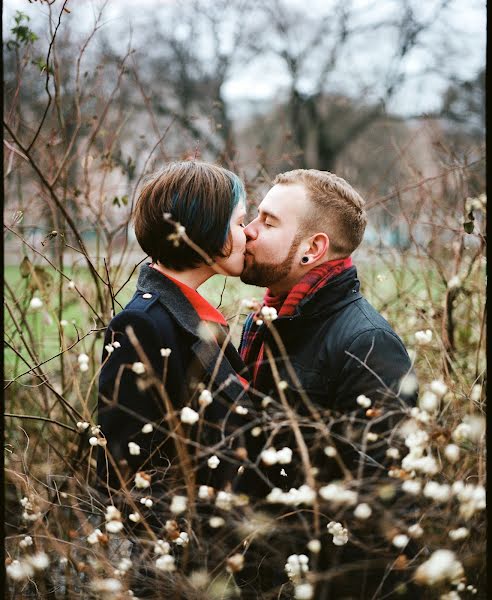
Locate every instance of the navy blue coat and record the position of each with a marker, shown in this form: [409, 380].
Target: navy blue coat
[334, 348]
[161, 317]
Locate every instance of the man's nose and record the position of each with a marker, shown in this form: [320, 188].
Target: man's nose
[251, 231]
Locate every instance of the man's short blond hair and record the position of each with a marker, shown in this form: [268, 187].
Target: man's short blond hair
[337, 209]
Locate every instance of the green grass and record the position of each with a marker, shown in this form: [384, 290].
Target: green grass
[390, 290]
[42, 330]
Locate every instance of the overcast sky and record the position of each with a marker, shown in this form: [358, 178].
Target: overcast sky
[263, 79]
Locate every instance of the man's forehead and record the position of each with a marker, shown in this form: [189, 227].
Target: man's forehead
[281, 197]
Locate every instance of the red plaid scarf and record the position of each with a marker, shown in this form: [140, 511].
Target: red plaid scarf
[286, 304]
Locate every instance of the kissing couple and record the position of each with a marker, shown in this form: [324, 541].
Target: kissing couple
[193, 424]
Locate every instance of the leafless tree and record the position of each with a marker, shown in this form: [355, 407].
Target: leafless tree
[315, 48]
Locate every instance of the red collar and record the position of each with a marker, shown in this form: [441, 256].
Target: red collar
[307, 286]
[204, 309]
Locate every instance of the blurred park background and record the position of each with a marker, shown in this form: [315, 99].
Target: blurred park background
[388, 94]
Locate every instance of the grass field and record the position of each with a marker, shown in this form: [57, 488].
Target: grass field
[390, 290]
[411, 295]
[49, 337]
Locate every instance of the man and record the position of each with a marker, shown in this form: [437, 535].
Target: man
[329, 368]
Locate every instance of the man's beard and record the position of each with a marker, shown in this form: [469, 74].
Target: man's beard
[268, 274]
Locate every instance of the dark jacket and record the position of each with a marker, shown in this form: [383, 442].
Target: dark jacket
[162, 318]
[339, 347]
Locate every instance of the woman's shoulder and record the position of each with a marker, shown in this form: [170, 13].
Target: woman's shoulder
[144, 311]
[146, 321]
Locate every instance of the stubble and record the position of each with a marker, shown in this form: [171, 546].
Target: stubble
[267, 274]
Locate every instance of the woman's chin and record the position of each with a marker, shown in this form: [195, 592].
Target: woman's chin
[235, 269]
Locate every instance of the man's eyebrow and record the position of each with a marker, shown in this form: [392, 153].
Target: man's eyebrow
[268, 214]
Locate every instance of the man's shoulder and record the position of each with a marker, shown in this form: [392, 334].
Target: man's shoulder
[356, 321]
[368, 316]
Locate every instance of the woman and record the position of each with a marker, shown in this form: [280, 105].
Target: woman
[171, 381]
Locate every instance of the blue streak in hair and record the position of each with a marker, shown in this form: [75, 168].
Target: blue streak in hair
[238, 193]
[187, 214]
[174, 204]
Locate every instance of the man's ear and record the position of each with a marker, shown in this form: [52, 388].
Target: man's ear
[318, 248]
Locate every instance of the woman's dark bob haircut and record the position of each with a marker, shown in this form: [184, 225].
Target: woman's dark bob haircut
[199, 196]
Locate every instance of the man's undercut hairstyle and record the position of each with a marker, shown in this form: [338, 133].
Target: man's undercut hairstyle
[337, 209]
[197, 195]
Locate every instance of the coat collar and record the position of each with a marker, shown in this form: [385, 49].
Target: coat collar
[206, 347]
[170, 296]
[205, 310]
[337, 293]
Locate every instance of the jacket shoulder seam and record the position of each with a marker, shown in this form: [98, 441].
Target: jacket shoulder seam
[375, 329]
[368, 317]
[139, 315]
